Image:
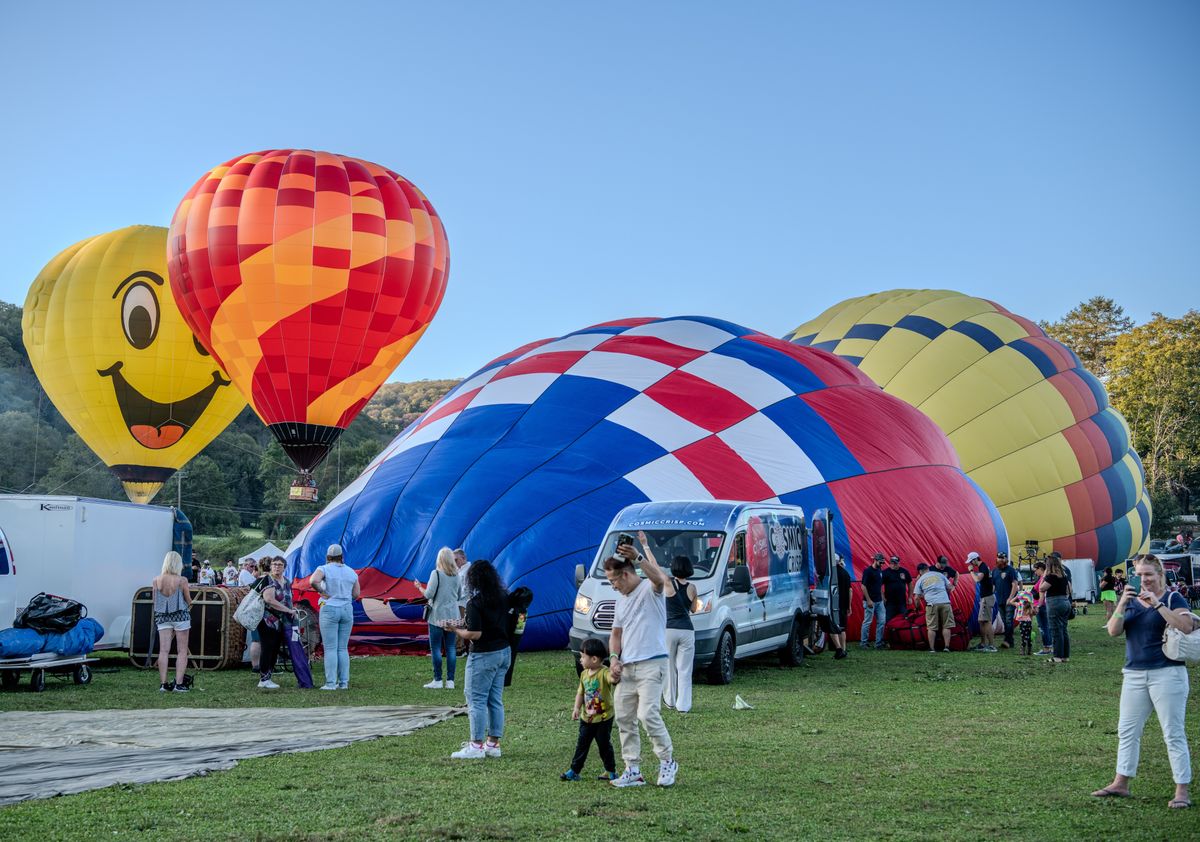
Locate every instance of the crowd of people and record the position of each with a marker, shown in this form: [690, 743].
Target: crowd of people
[646, 662]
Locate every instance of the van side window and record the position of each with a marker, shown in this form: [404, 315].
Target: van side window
[738, 555]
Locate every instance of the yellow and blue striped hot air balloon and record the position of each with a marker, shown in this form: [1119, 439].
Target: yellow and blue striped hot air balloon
[1031, 426]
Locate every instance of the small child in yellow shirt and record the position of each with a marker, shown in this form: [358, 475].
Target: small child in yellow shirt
[594, 710]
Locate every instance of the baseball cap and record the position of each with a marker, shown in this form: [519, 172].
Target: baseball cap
[895, 558]
[943, 560]
[334, 551]
[972, 556]
[1001, 554]
[1055, 554]
[877, 557]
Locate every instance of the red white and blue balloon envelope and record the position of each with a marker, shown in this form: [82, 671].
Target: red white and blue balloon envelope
[527, 461]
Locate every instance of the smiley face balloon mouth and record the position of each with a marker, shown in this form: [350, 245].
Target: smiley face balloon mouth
[156, 425]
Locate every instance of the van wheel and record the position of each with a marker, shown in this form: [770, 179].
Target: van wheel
[791, 654]
[815, 641]
[720, 669]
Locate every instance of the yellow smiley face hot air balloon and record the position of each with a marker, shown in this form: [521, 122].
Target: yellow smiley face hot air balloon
[113, 352]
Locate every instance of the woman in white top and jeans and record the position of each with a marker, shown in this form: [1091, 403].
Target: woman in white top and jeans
[1151, 681]
[338, 585]
[443, 593]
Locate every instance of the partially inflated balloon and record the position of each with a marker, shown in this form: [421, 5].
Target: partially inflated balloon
[527, 461]
[114, 354]
[1030, 424]
[309, 276]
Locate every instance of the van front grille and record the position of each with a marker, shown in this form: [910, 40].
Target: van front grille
[603, 616]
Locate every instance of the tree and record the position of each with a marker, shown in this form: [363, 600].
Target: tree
[207, 499]
[1155, 383]
[28, 449]
[1090, 330]
[238, 456]
[77, 471]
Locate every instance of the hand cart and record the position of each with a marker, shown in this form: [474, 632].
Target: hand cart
[39, 666]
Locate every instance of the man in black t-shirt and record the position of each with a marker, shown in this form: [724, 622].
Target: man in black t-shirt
[897, 583]
[1005, 579]
[872, 588]
[979, 571]
[943, 567]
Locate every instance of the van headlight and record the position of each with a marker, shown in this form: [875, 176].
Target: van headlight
[583, 604]
[703, 603]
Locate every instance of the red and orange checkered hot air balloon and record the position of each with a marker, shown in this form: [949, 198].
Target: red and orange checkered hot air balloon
[309, 276]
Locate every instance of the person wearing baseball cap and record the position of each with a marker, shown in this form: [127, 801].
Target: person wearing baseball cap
[338, 583]
[872, 591]
[897, 585]
[987, 601]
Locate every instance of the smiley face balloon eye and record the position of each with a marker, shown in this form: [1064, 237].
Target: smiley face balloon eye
[139, 315]
[200, 349]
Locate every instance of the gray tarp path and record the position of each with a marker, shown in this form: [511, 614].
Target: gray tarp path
[43, 754]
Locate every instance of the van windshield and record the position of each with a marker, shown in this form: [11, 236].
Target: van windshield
[701, 548]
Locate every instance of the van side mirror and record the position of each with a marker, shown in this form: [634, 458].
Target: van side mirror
[580, 574]
[739, 581]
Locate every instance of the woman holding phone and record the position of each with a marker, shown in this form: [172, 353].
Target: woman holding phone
[1151, 681]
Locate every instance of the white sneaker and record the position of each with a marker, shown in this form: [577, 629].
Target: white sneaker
[491, 749]
[628, 778]
[329, 687]
[469, 751]
[268, 684]
[667, 773]
[450, 684]
[434, 685]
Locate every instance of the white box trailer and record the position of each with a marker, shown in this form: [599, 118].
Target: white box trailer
[98, 552]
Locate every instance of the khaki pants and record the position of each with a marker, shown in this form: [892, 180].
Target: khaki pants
[637, 699]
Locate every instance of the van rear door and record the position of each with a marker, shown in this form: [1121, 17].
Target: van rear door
[825, 597]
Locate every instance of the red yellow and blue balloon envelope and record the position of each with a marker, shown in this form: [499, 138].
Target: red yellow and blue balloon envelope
[310, 276]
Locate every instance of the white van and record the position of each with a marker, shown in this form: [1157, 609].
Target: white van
[762, 577]
[98, 552]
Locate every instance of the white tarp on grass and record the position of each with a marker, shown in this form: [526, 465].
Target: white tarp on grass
[43, 754]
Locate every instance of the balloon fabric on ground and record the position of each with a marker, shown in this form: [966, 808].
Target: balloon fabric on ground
[114, 354]
[1029, 423]
[527, 461]
[310, 276]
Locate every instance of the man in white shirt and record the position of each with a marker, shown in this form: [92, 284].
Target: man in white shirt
[639, 658]
[246, 577]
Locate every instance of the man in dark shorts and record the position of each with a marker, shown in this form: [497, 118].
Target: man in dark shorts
[987, 600]
[896, 585]
[872, 588]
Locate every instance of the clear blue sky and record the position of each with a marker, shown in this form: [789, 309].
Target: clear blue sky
[594, 161]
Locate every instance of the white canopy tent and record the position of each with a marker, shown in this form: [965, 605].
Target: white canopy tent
[267, 549]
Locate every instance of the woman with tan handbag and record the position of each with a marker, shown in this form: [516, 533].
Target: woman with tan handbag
[442, 593]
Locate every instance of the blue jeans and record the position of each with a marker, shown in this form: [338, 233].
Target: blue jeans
[1058, 608]
[872, 612]
[439, 637]
[485, 695]
[336, 622]
[1043, 621]
[1006, 613]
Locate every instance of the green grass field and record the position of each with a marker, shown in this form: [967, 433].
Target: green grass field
[883, 745]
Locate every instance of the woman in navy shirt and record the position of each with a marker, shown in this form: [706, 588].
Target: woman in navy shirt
[1151, 680]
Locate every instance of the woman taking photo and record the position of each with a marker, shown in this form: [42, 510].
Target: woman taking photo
[277, 595]
[338, 586]
[1057, 596]
[681, 637]
[1151, 681]
[173, 618]
[486, 628]
[442, 593]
